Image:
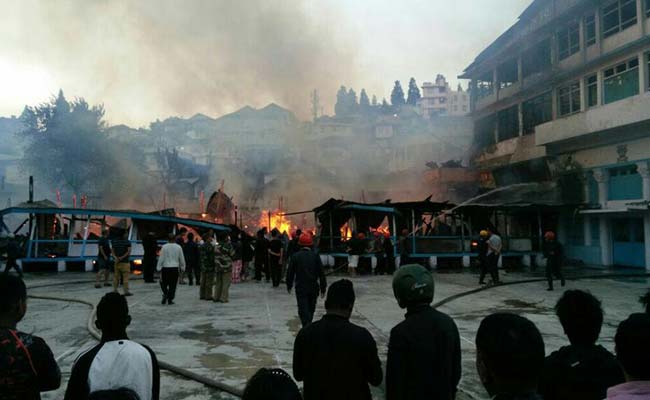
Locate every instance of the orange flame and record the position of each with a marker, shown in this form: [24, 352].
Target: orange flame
[277, 221]
[346, 232]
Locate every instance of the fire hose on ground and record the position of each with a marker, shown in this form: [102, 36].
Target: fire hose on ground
[214, 384]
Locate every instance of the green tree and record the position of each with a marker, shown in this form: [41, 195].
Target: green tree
[397, 96]
[352, 103]
[413, 93]
[66, 145]
[341, 107]
[364, 102]
[385, 108]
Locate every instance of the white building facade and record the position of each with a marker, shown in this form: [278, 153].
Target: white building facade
[564, 91]
[439, 100]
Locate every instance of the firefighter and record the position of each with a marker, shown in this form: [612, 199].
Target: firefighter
[553, 252]
[306, 269]
[482, 249]
[424, 349]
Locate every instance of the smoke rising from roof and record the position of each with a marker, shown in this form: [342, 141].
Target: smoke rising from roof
[152, 58]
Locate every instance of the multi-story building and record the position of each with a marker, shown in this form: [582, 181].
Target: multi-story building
[439, 100]
[563, 95]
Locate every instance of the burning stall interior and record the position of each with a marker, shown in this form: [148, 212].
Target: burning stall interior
[59, 239]
[442, 234]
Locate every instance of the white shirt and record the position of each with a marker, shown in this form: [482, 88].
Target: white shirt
[495, 244]
[122, 364]
[171, 256]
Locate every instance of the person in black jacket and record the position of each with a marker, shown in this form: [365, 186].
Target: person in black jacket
[482, 248]
[13, 254]
[191, 254]
[306, 269]
[262, 256]
[389, 253]
[582, 370]
[424, 349]
[335, 358]
[553, 252]
[509, 357]
[116, 366]
[150, 247]
[27, 365]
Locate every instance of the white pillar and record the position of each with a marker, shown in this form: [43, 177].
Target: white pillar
[433, 262]
[644, 171]
[605, 242]
[61, 267]
[466, 261]
[646, 228]
[89, 265]
[525, 260]
[602, 177]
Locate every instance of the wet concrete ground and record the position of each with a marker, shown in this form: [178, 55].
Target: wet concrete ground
[229, 342]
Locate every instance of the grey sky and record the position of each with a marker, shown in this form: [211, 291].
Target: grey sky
[152, 59]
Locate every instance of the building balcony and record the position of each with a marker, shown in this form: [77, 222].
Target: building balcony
[511, 151]
[623, 113]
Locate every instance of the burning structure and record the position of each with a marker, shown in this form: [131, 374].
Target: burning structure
[562, 96]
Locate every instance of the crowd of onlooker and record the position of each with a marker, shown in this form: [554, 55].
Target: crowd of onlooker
[336, 359]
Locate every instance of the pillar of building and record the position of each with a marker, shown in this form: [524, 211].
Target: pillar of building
[586, 195]
[561, 229]
[605, 242]
[602, 177]
[586, 226]
[644, 170]
[433, 262]
[466, 261]
[646, 228]
[88, 265]
[60, 266]
[643, 76]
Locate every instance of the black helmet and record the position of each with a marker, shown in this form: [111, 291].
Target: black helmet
[413, 284]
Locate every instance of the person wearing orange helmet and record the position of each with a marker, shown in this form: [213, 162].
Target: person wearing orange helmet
[306, 269]
[553, 252]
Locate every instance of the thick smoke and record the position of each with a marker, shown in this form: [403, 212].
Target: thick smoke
[153, 58]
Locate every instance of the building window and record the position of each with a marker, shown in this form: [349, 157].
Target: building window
[484, 85]
[625, 183]
[484, 131]
[537, 58]
[593, 189]
[621, 81]
[617, 16]
[508, 123]
[464, 108]
[591, 83]
[536, 111]
[568, 40]
[568, 99]
[508, 73]
[590, 29]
